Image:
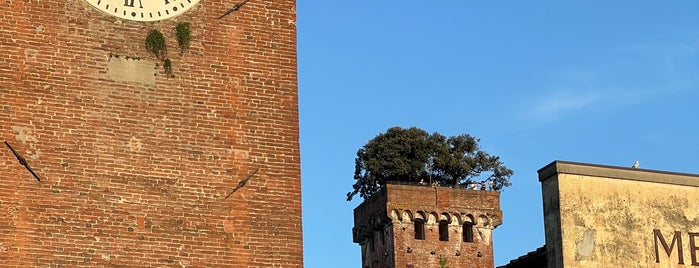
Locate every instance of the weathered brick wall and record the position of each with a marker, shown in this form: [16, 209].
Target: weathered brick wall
[391, 214]
[373, 232]
[135, 164]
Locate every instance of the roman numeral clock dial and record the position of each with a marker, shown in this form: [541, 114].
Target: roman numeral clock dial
[143, 10]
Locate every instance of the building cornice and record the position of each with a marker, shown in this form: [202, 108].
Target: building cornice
[615, 172]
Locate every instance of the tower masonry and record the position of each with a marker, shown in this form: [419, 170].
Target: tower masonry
[420, 226]
[149, 134]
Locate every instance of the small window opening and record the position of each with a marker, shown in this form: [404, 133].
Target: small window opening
[467, 232]
[419, 229]
[383, 237]
[443, 230]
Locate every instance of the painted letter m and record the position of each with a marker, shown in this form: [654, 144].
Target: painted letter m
[677, 238]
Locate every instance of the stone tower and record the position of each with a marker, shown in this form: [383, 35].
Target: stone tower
[183, 155]
[415, 226]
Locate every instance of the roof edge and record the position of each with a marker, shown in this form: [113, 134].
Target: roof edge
[615, 172]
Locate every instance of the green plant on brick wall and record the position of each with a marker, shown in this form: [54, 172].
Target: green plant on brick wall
[183, 35]
[442, 262]
[155, 42]
[167, 65]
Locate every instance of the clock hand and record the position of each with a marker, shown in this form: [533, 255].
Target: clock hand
[234, 8]
[22, 161]
[242, 183]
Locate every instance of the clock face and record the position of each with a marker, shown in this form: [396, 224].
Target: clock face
[143, 10]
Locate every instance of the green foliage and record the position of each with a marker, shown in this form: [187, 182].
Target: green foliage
[442, 262]
[167, 65]
[411, 155]
[155, 42]
[183, 34]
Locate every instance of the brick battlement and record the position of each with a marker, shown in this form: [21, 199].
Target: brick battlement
[405, 225]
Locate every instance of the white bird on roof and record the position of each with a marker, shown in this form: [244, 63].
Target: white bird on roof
[635, 164]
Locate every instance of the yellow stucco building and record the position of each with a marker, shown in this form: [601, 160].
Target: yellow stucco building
[606, 216]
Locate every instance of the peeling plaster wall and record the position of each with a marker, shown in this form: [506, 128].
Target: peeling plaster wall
[609, 221]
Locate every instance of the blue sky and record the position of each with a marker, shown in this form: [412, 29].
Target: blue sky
[588, 81]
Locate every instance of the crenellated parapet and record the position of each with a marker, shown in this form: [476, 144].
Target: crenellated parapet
[476, 218]
[427, 223]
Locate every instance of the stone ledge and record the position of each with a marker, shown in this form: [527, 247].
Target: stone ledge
[614, 172]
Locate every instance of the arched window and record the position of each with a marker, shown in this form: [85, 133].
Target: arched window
[467, 232]
[419, 229]
[443, 230]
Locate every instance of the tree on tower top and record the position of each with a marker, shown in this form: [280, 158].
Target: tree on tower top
[414, 155]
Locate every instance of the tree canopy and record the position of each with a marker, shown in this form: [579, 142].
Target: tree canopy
[412, 155]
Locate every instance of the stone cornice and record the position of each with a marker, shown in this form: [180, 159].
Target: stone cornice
[615, 172]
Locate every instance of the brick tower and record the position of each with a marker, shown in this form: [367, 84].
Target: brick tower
[183, 155]
[415, 226]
